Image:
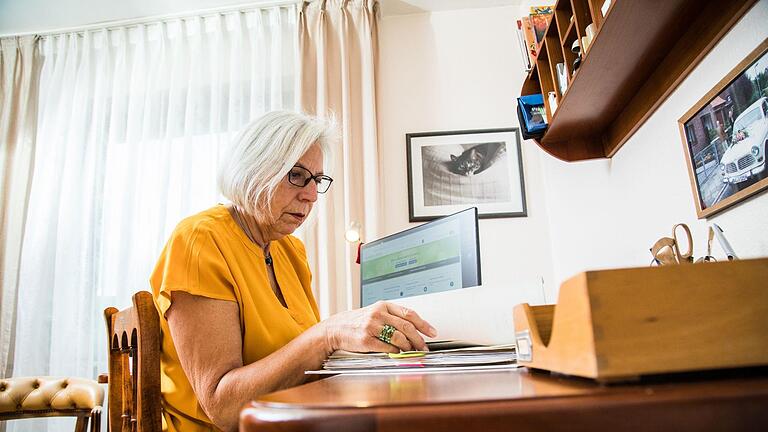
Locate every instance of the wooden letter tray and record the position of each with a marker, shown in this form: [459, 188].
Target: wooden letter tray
[615, 325]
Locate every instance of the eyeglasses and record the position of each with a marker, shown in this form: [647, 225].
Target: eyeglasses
[300, 176]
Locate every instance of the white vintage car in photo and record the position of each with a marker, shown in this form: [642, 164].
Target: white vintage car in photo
[746, 155]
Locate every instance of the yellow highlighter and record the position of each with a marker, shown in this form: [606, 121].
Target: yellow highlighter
[406, 354]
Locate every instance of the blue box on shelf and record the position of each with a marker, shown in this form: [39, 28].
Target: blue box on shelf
[533, 112]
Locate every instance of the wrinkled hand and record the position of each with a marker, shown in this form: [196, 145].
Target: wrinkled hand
[358, 330]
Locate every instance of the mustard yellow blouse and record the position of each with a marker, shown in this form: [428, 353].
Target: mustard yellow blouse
[210, 256]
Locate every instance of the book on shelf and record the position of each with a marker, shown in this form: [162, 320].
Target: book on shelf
[541, 10]
[540, 17]
[522, 46]
[530, 39]
[532, 29]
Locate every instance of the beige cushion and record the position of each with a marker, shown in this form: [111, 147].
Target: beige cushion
[49, 393]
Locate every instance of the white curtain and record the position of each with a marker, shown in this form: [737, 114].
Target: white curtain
[19, 71]
[132, 122]
[338, 44]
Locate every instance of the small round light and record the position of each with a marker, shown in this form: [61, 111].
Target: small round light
[755, 151]
[352, 234]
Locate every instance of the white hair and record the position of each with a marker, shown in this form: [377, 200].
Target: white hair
[263, 153]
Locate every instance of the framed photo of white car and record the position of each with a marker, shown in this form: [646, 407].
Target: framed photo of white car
[725, 137]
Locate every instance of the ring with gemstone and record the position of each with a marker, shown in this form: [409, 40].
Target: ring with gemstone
[385, 335]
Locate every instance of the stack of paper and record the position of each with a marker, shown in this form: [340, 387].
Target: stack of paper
[472, 358]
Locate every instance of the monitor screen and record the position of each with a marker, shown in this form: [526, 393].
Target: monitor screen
[440, 255]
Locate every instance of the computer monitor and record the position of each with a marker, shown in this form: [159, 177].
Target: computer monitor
[440, 255]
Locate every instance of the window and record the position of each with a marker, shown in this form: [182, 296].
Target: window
[690, 134]
[709, 128]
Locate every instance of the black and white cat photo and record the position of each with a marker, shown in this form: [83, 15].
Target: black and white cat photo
[476, 159]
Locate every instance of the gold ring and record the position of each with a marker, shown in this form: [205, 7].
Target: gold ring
[385, 335]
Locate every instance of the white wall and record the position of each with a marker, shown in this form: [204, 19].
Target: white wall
[459, 70]
[608, 213]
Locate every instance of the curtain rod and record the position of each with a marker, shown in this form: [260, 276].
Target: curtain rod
[112, 25]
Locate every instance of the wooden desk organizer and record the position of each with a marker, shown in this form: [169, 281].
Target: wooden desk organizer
[615, 325]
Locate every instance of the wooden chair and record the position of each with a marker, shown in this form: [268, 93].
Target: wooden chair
[134, 366]
[45, 396]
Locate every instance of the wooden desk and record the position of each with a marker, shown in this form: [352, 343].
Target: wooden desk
[516, 401]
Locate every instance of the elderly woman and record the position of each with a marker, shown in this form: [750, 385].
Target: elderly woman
[233, 286]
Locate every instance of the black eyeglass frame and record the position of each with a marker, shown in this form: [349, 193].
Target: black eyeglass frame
[318, 178]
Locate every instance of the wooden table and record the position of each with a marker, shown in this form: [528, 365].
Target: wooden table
[516, 400]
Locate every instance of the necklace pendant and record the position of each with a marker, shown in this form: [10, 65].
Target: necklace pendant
[268, 260]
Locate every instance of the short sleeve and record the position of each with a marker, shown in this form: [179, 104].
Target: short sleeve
[193, 263]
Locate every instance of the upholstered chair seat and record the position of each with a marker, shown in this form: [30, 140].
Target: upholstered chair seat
[44, 396]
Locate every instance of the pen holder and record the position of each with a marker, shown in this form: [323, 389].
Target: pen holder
[615, 325]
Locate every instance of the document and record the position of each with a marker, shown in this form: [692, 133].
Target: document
[464, 359]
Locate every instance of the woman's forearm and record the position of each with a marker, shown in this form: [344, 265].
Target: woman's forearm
[282, 369]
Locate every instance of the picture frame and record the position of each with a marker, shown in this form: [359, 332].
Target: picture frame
[449, 171]
[725, 137]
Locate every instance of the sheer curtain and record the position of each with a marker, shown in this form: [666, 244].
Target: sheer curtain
[338, 45]
[132, 122]
[19, 71]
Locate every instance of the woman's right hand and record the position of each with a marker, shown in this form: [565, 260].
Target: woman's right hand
[358, 330]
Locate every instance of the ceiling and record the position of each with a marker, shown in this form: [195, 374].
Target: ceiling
[407, 7]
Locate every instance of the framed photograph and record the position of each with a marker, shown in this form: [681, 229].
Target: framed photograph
[725, 137]
[450, 171]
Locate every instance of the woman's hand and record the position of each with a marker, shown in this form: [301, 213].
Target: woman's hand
[358, 330]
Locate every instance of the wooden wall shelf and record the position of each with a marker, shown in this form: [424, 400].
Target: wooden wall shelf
[641, 52]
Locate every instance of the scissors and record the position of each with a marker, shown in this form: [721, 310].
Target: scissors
[687, 256]
[667, 250]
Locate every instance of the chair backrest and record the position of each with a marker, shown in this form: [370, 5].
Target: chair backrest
[134, 366]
